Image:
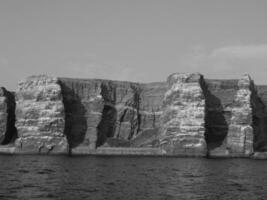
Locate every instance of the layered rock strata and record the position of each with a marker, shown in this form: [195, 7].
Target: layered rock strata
[240, 135]
[111, 113]
[219, 96]
[183, 118]
[229, 117]
[83, 107]
[40, 116]
[187, 116]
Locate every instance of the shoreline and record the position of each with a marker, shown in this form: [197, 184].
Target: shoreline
[122, 151]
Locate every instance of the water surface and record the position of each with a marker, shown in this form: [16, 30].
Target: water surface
[149, 178]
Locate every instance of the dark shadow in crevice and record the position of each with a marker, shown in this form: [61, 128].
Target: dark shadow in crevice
[75, 114]
[260, 133]
[259, 121]
[11, 131]
[107, 126]
[216, 125]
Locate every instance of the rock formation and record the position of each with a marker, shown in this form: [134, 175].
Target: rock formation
[183, 118]
[83, 106]
[229, 117]
[7, 117]
[3, 114]
[40, 117]
[219, 96]
[240, 135]
[111, 113]
[259, 102]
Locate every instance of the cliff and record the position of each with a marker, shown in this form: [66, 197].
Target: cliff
[186, 116]
[40, 116]
[229, 129]
[8, 132]
[111, 113]
[183, 118]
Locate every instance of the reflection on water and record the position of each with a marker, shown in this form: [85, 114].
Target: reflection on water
[150, 178]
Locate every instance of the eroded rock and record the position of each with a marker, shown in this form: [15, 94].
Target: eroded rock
[40, 116]
[84, 105]
[186, 116]
[240, 134]
[110, 113]
[229, 117]
[183, 118]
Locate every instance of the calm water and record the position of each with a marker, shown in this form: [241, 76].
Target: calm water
[150, 178]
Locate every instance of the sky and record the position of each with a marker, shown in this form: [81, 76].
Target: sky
[137, 40]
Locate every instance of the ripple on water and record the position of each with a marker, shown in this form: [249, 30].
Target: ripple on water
[51, 177]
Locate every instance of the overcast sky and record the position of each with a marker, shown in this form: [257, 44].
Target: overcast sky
[143, 40]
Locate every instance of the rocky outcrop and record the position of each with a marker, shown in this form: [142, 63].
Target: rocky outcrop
[40, 117]
[7, 117]
[240, 135]
[183, 118]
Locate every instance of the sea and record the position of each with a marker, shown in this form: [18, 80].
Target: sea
[130, 178]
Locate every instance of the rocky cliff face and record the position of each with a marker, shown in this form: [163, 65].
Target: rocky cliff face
[40, 117]
[260, 118]
[183, 118]
[229, 117]
[111, 113]
[83, 104]
[7, 117]
[240, 135]
[188, 115]
[219, 95]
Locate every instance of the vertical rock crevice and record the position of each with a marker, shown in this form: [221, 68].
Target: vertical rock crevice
[120, 120]
[219, 96]
[229, 124]
[215, 120]
[75, 119]
[84, 105]
[8, 131]
[107, 126]
[259, 122]
[111, 113]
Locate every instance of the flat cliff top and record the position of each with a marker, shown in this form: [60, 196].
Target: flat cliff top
[155, 84]
[222, 83]
[151, 94]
